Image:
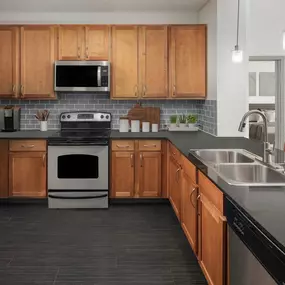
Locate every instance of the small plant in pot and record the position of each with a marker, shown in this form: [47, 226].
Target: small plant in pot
[173, 121]
[182, 121]
[192, 120]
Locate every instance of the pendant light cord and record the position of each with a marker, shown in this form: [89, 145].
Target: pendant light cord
[238, 21]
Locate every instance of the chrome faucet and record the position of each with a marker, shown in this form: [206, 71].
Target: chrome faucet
[267, 150]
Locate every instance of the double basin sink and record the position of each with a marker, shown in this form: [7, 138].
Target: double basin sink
[239, 167]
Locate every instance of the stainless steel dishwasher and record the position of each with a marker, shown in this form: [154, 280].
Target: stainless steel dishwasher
[253, 258]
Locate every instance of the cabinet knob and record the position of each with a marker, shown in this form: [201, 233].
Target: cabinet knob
[136, 90]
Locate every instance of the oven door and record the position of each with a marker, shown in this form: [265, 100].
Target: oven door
[78, 168]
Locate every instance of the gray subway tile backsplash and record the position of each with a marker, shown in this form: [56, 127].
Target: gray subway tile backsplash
[206, 110]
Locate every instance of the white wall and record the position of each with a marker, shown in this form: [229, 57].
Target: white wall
[227, 81]
[265, 27]
[232, 85]
[100, 18]
[208, 15]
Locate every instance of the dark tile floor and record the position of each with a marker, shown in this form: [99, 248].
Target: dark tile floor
[126, 244]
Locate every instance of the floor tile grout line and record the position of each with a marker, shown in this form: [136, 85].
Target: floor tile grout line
[55, 276]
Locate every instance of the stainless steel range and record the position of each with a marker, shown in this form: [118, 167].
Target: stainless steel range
[78, 161]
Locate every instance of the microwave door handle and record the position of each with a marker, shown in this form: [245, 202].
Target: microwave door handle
[99, 76]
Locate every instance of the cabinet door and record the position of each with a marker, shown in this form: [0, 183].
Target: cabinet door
[153, 62]
[9, 59]
[175, 186]
[37, 62]
[123, 174]
[189, 217]
[96, 42]
[125, 62]
[150, 174]
[188, 61]
[27, 174]
[212, 242]
[71, 43]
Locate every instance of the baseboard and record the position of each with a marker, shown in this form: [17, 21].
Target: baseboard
[138, 201]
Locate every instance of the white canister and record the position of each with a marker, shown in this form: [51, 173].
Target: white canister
[43, 126]
[154, 128]
[135, 126]
[124, 125]
[145, 127]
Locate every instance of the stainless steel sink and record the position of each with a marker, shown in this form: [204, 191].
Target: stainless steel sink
[250, 175]
[218, 156]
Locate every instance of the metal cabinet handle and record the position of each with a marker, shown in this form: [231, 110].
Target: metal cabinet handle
[177, 174]
[14, 89]
[28, 146]
[44, 159]
[78, 52]
[22, 90]
[136, 90]
[144, 90]
[191, 194]
[87, 52]
[132, 160]
[149, 145]
[122, 146]
[141, 159]
[174, 90]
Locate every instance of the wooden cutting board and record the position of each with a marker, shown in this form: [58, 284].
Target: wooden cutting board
[145, 114]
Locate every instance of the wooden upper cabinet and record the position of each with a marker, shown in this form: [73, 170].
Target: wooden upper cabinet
[9, 61]
[38, 53]
[27, 174]
[188, 61]
[123, 174]
[70, 45]
[97, 42]
[150, 174]
[125, 62]
[153, 61]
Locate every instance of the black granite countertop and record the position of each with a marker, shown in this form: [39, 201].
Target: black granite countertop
[27, 134]
[265, 205]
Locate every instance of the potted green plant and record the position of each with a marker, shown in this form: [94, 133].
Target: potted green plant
[173, 121]
[192, 120]
[182, 121]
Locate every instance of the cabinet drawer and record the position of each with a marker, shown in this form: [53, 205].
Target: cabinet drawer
[123, 145]
[27, 145]
[150, 145]
[213, 194]
[174, 152]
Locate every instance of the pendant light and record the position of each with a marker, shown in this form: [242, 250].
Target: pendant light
[237, 54]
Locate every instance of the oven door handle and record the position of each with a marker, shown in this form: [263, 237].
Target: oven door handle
[72, 198]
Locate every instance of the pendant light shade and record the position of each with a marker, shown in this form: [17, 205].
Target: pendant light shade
[237, 53]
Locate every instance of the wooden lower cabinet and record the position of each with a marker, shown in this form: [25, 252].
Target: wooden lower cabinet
[150, 174]
[123, 174]
[212, 233]
[136, 173]
[4, 168]
[175, 185]
[189, 215]
[27, 174]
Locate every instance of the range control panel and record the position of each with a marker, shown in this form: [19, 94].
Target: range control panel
[87, 116]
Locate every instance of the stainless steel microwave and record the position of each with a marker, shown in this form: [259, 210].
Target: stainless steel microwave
[82, 76]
